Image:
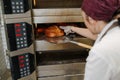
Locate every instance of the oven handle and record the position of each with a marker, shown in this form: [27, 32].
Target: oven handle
[81, 44]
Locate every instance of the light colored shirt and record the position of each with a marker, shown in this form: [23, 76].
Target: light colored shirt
[103, 62]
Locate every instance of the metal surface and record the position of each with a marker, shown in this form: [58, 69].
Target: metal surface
[68, 77]
[57, 15]
[23, 15]
[42, 45]
[57, 12]
[65, 39]
[61, 69]
[71, 71]
[16, 20]
[21, 51]
[4, 71]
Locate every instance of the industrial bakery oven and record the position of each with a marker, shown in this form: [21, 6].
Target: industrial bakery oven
[27, 54]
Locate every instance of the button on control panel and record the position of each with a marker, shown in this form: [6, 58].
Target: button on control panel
[17, 6]
[22, 65]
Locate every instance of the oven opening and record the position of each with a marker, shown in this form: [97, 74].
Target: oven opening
[49, 53]
[52, 65]
[61, 57]
[57, 3]
[40, 29]
[49, 37]
[59, 60]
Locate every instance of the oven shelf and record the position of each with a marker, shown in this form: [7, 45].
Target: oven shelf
[43, 45]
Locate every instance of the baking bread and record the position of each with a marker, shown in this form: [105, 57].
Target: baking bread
[54, 31]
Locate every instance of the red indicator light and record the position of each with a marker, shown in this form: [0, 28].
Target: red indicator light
[21, 57]
[18, 35]
[22, 65]
[18, 30]
[17, 25]
[21, 61]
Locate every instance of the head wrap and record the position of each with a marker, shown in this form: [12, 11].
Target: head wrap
[100, 9]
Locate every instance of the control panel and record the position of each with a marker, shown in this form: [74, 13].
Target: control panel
[22, 65]
[15, 6]
[19, 35]
[17, 20]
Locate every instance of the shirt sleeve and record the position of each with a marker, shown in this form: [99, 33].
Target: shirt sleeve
[96, 68]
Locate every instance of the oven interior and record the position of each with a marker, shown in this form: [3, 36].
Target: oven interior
[61, 64]
[61, 57]
[40, 35]
[56, 3]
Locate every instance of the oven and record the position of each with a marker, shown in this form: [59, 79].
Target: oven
[64, 60]
[27, 53]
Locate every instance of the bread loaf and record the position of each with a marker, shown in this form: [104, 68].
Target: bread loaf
[54, 31]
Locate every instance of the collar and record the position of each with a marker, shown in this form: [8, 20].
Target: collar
[105, 30]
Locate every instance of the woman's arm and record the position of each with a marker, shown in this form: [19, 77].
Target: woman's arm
[84, 32]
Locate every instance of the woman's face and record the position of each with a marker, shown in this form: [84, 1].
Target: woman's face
[90, 23]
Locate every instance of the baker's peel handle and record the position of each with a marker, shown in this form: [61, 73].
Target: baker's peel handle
[82, 44]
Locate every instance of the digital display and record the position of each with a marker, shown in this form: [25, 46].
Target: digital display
[17, 25]
[18, 30]
[22, 65]
[21, 57]
[18, 35]
[21, 61]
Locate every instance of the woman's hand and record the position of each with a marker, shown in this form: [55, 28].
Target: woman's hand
[67, 29]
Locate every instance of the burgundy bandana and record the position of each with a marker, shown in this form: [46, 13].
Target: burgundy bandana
[100, 9]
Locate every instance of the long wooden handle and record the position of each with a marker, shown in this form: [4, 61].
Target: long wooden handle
[81, 44]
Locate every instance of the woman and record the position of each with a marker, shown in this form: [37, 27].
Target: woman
[102, 20]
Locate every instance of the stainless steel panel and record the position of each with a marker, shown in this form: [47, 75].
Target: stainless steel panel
[57, 19]
[4, 71]
[21, 51]
[28, 20]
[68, 77]
[57, 15]
[57, 12]
[21, 15]
[61, 69]
[42, 45]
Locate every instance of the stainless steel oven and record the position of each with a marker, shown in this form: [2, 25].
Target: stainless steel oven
[27, 54]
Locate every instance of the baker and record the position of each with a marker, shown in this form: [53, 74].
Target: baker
[102, 19]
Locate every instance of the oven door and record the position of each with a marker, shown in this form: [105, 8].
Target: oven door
[61, 65]
[48, 11]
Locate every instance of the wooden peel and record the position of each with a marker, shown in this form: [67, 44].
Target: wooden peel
[81, 44]
[60, 40]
